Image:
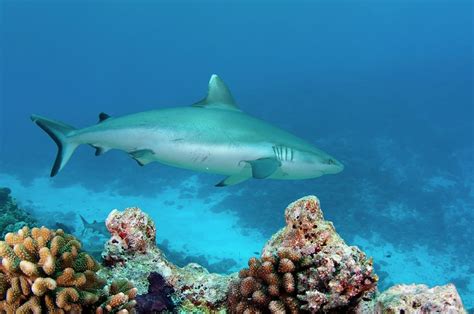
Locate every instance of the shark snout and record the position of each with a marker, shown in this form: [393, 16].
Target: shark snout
[332, 166]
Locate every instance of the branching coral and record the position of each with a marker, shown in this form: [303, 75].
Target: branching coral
[121, 298]
[45, 270]
[267, 285]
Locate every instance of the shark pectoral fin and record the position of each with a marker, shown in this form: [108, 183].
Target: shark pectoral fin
[232, 180]
[264, 167]
[143, 156]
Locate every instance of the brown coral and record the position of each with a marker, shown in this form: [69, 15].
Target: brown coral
[44, 270]
[268, 285]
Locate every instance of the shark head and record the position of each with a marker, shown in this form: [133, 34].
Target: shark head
[312, 164]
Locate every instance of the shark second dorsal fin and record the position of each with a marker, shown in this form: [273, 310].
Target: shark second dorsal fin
[218, 96]
[103, 116]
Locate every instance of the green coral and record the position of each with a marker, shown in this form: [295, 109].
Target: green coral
[44, 270]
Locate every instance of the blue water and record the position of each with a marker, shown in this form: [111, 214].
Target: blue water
[384, 86]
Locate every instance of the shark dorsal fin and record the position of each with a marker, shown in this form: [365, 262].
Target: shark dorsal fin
[218, 96]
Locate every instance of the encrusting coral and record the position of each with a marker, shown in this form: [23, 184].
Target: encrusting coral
[45, 270]
[132, 231]
[419, 299]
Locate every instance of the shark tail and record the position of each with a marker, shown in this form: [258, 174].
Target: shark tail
[59, 132]
[84, 221]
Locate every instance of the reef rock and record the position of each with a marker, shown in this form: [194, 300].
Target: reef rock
[132, 231]
[331, 274]
[195, 289]
[419, 299]
[12, 218]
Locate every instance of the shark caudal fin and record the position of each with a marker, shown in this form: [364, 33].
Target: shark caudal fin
[59, 133]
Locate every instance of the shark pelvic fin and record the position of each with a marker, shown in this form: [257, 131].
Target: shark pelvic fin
[264, 167]
[143, 156]
[232, 180]
[218, 96]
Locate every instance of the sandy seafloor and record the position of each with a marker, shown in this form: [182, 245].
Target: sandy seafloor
[186, 226]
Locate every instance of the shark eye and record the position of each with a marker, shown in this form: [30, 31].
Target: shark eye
[330, 162]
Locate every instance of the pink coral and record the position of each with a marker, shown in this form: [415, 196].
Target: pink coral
[332, 274]
[132, 231]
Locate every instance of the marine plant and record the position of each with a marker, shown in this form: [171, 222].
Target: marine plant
[44, 270]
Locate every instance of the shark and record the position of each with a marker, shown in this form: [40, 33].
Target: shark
[95, 226]
[212, 135]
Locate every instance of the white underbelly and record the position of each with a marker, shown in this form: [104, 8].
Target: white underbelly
[219, 159]
[171, 149]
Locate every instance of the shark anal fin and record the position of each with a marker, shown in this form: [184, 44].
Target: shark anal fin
[232, 180]
[103, 116]
[100, 150]
[143, 156]
[264, 167]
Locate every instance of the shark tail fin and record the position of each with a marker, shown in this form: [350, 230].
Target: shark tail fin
[84, 221]
[59, 132]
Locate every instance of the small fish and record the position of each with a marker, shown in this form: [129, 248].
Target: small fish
[95, 226]
[213, 135]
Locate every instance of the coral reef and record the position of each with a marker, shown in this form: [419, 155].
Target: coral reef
[12, 217]
[195, 289]
[132, 231]
[419, 299]
[305, 267]
[158, 297]
[45, 270]
[331, 275]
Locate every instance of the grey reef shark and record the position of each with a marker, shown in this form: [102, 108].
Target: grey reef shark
[213, 135]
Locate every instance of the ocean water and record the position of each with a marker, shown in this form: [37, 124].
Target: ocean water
[383, 86]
